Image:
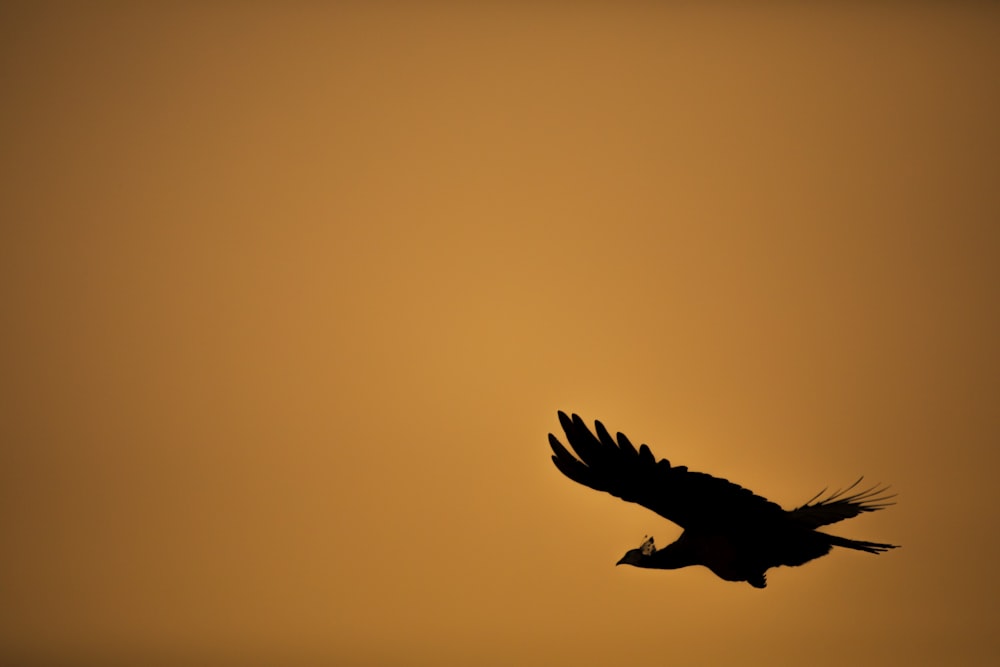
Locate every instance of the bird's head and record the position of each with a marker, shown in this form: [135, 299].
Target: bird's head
[636, 556]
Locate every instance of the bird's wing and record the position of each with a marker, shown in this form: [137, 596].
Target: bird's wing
[841, 505]
[692, 500]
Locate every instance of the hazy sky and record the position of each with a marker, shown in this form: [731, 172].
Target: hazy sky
[291, 295]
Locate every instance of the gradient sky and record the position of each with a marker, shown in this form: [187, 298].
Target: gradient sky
[291, 296]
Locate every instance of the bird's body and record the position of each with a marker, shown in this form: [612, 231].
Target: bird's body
[733, 532]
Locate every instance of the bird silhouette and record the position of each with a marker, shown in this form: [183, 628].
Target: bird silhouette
[735, 533]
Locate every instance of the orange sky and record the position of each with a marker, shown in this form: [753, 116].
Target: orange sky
[291, 297]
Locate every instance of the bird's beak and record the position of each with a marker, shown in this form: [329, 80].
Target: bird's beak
[621, 561]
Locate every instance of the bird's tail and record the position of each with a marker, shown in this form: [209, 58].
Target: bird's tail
[860, 545]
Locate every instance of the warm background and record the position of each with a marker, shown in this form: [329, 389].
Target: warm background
[291, 295]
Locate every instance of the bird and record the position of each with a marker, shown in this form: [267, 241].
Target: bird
[735, 533]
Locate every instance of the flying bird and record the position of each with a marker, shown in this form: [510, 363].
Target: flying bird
[733, 532]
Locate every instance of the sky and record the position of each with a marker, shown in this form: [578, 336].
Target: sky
[292, 292]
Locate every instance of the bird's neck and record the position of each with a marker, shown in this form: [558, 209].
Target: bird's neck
[670, 557]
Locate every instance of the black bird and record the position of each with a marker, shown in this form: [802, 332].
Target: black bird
[735, 533]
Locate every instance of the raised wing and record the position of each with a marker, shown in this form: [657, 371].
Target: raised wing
[692, 500]
[839, 505]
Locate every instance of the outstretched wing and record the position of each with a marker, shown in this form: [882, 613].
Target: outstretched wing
[839, 505]
[692, 500]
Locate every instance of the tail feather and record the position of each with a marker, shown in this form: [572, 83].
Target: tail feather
[842, 505]
[860, 545]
